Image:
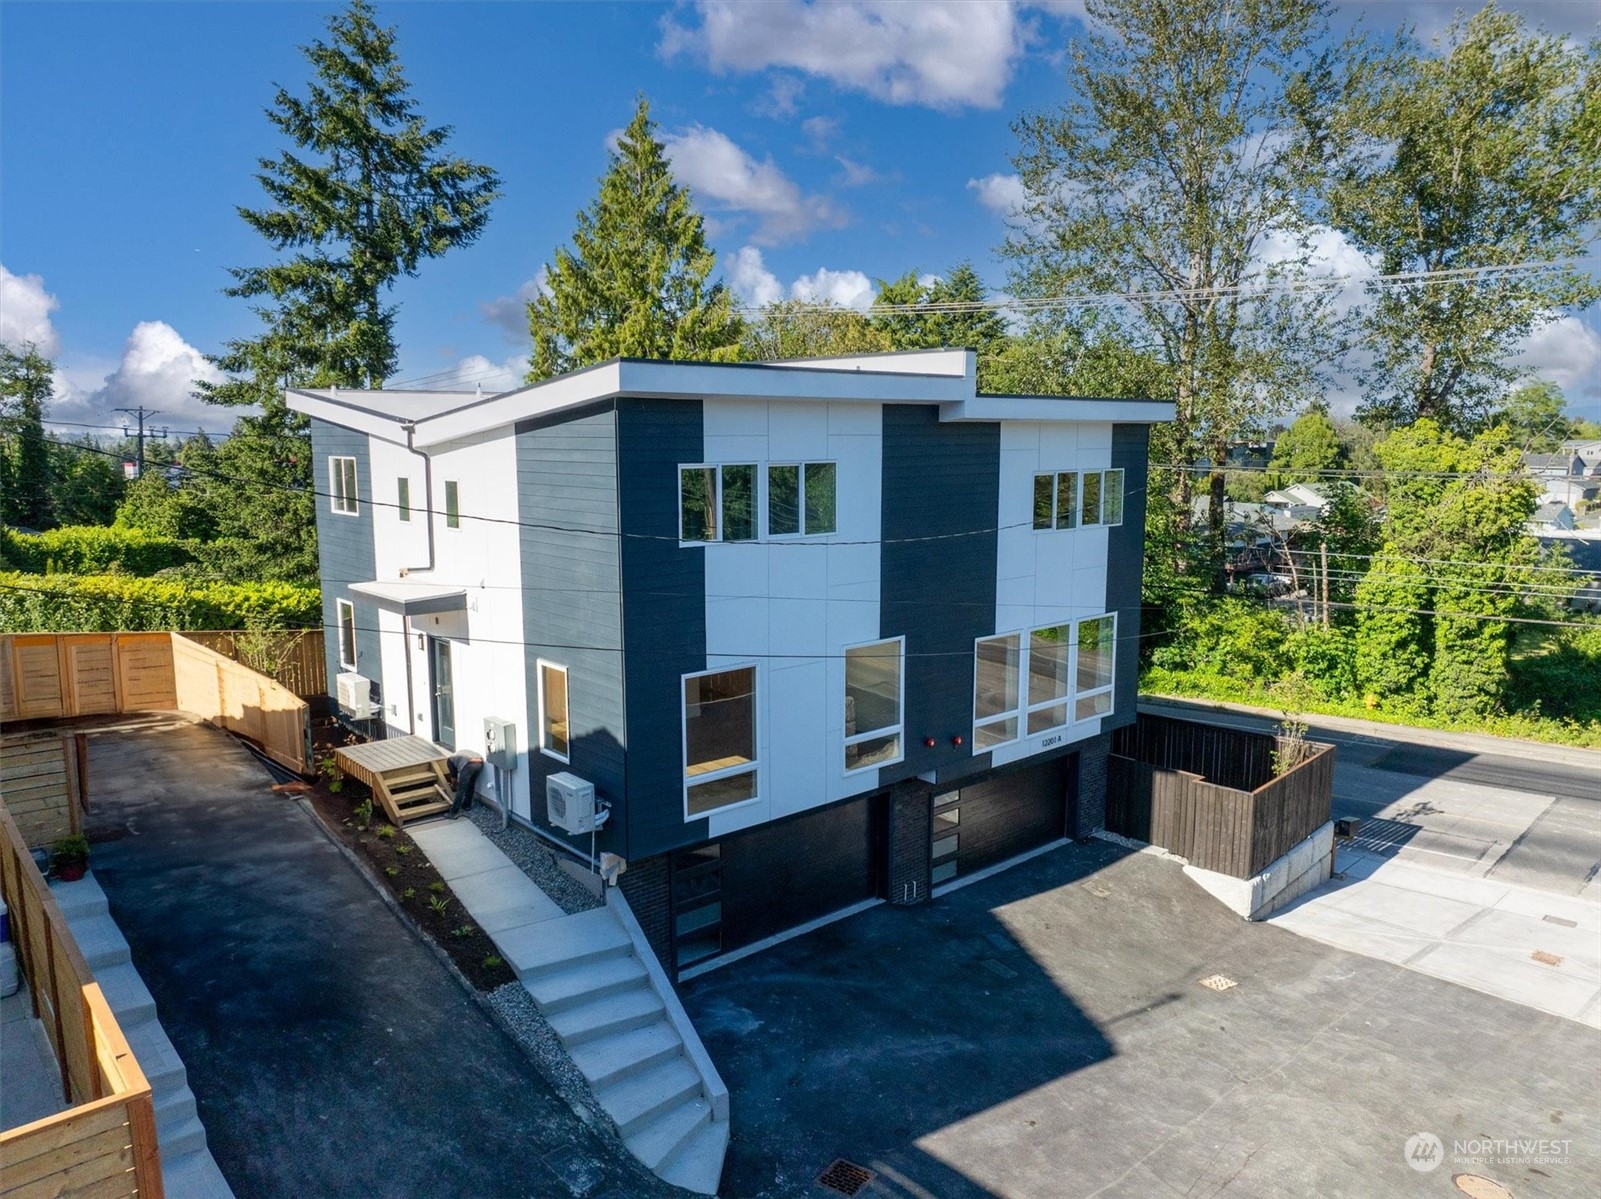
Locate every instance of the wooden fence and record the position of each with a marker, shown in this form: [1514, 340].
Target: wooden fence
[104, 1144]
[290, 657]
[44, 784]
[56, 675]
[1236, 830]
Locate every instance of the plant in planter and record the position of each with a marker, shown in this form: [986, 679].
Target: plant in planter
[70, 857]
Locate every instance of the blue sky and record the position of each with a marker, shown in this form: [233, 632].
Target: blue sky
[827, 144]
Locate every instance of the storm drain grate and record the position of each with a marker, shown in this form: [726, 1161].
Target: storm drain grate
[845, 1178]
[1218, 982]
[1548, 959]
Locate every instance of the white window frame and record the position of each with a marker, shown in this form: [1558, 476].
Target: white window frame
[767, 499]
[340, 501]
[1015, 712]
[403, 498]
[758, 502]
[712, 776]
[1106, 477]
[1055, 476]
[452, 519]
[1065, 700]
[898, 729]
[341, 607]
[1108, 689]
[540, 666]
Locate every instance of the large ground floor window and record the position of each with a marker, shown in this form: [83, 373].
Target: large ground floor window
[720, 767]
[1029, 683]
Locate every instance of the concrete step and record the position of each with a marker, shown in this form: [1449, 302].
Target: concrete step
[100, 939]
[564, 988]
[127, 994]
[551, 945]
[174, 1109]
[605, 1014]
[82, 898]
[617, 1056]
[697, 1164]
[655, 1141]
[189, 1136]
[163, 1068]
[635, 1100]
[193, 1175]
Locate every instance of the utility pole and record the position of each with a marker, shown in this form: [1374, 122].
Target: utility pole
[140, 412]
[1325, 552]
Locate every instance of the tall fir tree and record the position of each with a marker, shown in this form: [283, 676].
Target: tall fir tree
[25, 391]
[636, 281]
[950, 310]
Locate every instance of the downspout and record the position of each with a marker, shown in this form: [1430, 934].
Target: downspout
[428, 515]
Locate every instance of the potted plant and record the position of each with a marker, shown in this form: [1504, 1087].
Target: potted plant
[71, 857]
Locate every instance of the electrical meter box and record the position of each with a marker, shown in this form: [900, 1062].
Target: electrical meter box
[500, 742]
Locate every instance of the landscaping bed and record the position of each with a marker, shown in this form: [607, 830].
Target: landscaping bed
[346, 809]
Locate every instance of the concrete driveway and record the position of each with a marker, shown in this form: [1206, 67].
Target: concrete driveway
[1043, 1033]
[330, 1052]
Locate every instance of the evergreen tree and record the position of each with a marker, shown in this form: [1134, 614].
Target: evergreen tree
[968, 326]
[803, 329]
[370, 195]
[86, 482]
[634, 283]
[25, 391]
[1486, 156]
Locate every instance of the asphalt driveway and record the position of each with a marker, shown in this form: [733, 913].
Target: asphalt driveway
[330, 1052]
[1044, 1033]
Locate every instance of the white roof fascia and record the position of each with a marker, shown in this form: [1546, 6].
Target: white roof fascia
[952, 363]
[693, 381]
[404, 596]
[1057, 408]
[337, 409]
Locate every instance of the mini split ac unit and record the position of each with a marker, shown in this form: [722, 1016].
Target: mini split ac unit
[355, 695]
[570, 803]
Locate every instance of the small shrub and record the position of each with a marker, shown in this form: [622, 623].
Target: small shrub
[386, 831]
[409, 893]
[404, 850]
[465, 930]
[363, 810]
[493, 961]
[391, 871]
[437, 887]
[439, 904]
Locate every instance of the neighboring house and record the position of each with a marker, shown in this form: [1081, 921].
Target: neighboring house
[1298, 497]
[1552, 517]
[1588, 453]
[819, 632]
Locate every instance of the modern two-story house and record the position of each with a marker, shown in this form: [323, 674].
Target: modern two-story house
[818, 633]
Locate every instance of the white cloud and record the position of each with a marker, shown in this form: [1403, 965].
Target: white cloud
[855, 174]
[717, 170]
[477, 371]
[25, 308]
[1568, 353]
[940, 53]
[1001, 194]
[756, 286]
[820, 130]
[511, 312]
[158, 370]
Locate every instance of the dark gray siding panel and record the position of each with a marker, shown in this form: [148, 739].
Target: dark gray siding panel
[572, 607]
[1125, 567]
[664, 616]
[939, 481]
[345, 549]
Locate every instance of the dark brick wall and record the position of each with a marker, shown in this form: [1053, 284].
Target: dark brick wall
[1091, 814]
[909, 809]
[645, 886]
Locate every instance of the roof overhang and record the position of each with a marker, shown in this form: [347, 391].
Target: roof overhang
[991, 408]
[413, 599]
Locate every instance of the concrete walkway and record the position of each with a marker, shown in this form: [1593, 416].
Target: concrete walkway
[30, 1080]
[1530, 946]
[331, 1052]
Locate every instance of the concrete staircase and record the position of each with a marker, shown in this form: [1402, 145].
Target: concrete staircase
[187, 1167]
[597, 982]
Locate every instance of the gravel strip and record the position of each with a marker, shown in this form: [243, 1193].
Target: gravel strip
[520, 1017]
[535, 859]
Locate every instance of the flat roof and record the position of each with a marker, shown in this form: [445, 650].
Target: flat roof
[413, 598]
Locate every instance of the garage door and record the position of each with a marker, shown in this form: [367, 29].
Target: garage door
[752, 885]
[1000, 817]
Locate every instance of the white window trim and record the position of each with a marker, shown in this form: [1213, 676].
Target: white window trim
[760, 498]
[403, 506]
[445, 515]
[341, 606]
[1064, 701]
[1013, 713]
[1078, 495]
[540, 666]
[1094, 691]
[804, 534]
[336, 486]
[899, 727]
[1122, 499]
[712, 776]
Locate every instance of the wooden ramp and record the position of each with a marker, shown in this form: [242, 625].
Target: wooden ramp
[406, 774]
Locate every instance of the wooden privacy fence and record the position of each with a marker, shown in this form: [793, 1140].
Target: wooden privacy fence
[55, 675]
[104, 1144]
[290, 657]
[1235, 830]
[44, 783]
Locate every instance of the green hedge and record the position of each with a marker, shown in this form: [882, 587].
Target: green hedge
[115, 603]
[91, 550]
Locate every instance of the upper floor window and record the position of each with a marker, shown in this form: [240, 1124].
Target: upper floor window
[801, 499]
[553, 737]
[1066, 499]
[717, 503]
[452, 505]
[1026, 684]
[342, 486]
[403, 498]
[997, 670]
[873, 704]
[720, 767]
[346, 612]
[1097, 652]
[1056, 500]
